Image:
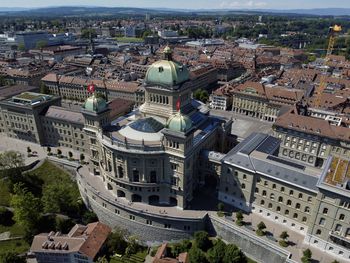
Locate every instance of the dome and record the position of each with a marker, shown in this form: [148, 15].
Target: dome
[179, 123]
[167, 72]
[96, 104]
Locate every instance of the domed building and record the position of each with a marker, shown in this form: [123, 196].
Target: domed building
[144, 167]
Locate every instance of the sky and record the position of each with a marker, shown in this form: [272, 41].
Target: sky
[185, 4]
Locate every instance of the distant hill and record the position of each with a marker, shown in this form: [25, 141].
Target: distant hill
[107, 11]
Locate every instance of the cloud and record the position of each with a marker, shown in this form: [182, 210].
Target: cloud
[242, 4]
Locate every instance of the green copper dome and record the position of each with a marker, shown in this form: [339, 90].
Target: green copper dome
[179, 123]
[167, 72]
[95, 104]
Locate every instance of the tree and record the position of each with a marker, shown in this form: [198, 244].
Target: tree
[201, 95]
[29, 151]
[5, 216]
[221, 206]
[88, 33]
[217, 252]
[59, 152]
[43, 88]
[41, 44]
[60, 197]
[11, 257]
[196, 255]
[307, 255]
[63, 225]
[284, 235]
[27, 207]
[21, 47]
[11, 160]
[239, 218]
[261, 226]
[89, 217]
[234, 255]
[82, 157]
[116, 242]
[132, 247]
[202, 240]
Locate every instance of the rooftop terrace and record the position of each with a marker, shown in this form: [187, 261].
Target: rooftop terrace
[338, 172]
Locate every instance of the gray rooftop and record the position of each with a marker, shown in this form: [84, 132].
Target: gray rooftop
[63, 114]
[255, 154]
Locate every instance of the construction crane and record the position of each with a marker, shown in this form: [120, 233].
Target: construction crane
[333, 34]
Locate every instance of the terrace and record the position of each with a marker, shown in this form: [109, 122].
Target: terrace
[339, 172]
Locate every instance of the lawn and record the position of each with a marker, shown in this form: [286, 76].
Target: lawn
[16, 246]
[49, 173]
[16, 230]
[139, 257]
[129, 39]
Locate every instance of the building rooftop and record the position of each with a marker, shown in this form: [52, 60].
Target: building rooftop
[63, 114]
[86, 240]
[256, 153]
[338, 172]
[30, 98]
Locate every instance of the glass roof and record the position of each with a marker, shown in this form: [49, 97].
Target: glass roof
[147, 125]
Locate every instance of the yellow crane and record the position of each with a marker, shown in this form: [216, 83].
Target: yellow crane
[333, 34]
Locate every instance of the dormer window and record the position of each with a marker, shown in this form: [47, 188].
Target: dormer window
[161, 69]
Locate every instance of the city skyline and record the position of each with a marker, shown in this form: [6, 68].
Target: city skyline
[182, 4]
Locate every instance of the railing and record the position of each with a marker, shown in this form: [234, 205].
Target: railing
[113, 141]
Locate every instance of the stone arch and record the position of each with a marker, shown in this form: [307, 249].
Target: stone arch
[153, 200]
[136, 198]
[120, 193]
[172, 201]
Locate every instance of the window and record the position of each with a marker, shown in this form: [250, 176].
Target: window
[309, 199]
[318, 232]
[307, 209]
[270, 205]
[272, 196]
[282, 189]
[256, 190]
[297, 206]
[243, 186]
[262, 202]
[266, 183]
[274, 186]
[322, 221]
[300, 196]
[149, 222]
[286, 212]
[291, 192]
[280, 199]
[341, 217]
[244, 176]
[278, 209]
[338, 228]
[325, 211]
[304, 219]
[264, 193]
[295, 215]
[132, 217]
[289, 202]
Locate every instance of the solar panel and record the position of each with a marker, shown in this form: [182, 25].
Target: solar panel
[285, 162]
[253, 143]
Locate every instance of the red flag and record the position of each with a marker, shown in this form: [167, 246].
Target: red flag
[178, 104]
[91, 88]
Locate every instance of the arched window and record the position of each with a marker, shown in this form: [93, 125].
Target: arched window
[282, 189]
[262, 202]
[243, 186]
[286, 212]
[135, 175]
[297, 206]
[341, 217]
[325, 211]
[289, 202]
[304, 219]
[295, 215]
[280, 199]
[264, 193]
[272, 196]
[278, 209]
[270, 205]
[318, 232]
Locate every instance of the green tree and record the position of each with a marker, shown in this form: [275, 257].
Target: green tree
[116, 242]
[27, 207]
[335, 261]
[202, 240]
[234, 255]
[260, 231]
[82, 157]
[221, 206]
[11, 257]
[63, 225]
[21, 47]
[133, 246]
[41, 44]
[11, 160]
[60, 197]
[196, 255]
[284, 235]
[239, 218]
[43, 88]
[89, 217]
[307, 255]
[88, 32]
[217, 252]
